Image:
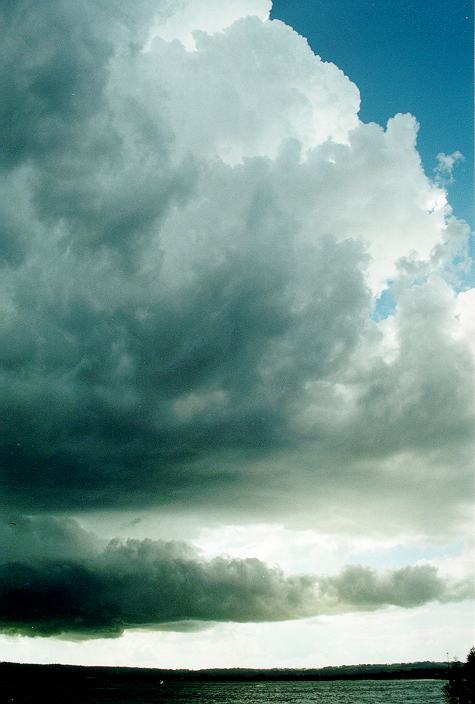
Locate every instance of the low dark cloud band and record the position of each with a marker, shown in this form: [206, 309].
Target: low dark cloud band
[156, 583]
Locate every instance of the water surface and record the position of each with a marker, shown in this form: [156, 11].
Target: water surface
[336, 692]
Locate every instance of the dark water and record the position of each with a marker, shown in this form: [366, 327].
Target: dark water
[340, 692]
[336, 692]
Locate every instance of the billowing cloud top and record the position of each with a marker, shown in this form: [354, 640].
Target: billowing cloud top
[194, 228]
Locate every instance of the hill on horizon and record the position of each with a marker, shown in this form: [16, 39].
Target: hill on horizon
[330, 671]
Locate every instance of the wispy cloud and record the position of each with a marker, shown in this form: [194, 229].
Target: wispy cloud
[446, 164]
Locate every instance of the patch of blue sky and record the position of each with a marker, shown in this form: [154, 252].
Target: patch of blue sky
[402, 555]
[468, 278]
[460, 274]
[384, 305]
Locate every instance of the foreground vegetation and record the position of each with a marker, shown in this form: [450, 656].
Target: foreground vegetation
[460, 689]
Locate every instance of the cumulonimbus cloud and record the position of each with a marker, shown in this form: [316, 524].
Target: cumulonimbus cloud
[193, 236]
[158, 584]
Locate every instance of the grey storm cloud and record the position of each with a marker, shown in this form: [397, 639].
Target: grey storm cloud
[169, 585]
[185, 297]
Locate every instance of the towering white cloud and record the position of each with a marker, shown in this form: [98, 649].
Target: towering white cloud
[183, 20]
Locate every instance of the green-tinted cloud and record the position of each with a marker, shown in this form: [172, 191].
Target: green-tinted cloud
[156, 583]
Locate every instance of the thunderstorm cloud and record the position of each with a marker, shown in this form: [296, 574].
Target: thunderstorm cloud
[190, 242]
[196, 231]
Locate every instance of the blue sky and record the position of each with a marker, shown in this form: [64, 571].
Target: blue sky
[405, 56]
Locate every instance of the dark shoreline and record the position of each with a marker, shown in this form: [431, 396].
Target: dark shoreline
[84, 673]
[76, 684]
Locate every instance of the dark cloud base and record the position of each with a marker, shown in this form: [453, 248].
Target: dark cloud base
[154, 584]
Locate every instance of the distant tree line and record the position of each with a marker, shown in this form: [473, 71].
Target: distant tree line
[74, 675]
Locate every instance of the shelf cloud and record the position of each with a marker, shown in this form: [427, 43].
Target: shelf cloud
[160, 584]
